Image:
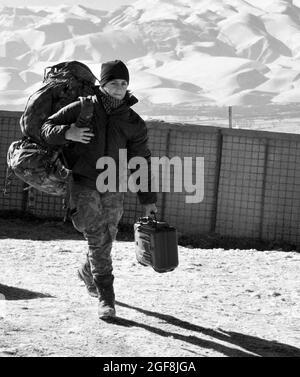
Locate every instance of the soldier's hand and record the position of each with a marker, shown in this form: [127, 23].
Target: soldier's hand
[81, 135]
[149, 209]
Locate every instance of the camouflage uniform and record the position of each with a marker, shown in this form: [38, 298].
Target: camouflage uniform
[97, 215]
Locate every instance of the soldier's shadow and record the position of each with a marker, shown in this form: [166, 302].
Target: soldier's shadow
[14, 293]
[251, 345]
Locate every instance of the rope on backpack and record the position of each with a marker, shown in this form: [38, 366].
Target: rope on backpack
[8, 180]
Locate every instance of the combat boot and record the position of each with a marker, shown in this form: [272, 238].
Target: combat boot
[84, 274]
[106, 296]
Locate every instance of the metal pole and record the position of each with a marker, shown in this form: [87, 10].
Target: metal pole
[214, 214]
[25, 187]
[230, 116]
[164, 198]
[263, 189]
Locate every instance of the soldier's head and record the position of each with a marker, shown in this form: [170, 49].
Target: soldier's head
[114, 78]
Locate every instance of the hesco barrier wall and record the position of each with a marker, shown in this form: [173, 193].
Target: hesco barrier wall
[251, 181]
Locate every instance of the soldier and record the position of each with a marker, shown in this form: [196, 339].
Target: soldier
[114, 126]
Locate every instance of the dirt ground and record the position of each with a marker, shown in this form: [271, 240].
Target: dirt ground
[216, 303]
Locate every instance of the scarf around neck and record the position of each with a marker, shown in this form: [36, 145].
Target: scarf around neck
[110, 103]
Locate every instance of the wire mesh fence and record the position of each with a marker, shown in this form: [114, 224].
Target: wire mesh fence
[251, 181]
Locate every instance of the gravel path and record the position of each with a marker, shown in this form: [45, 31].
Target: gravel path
[216, 303]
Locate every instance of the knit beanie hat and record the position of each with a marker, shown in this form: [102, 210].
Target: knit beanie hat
[112, 70]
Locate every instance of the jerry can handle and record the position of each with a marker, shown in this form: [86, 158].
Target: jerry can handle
[146, 219]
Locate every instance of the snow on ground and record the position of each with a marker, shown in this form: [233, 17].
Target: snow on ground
[191, 53]
[216, 303]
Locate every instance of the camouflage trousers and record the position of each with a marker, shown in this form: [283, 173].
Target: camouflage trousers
[97, 215]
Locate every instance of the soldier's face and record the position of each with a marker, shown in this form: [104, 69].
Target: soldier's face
[116, 88]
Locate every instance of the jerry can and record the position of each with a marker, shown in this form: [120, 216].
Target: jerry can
[156, 244]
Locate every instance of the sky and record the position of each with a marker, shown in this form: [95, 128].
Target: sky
[98, 4]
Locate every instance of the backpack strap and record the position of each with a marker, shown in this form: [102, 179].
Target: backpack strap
[86, 112]
[83, 120]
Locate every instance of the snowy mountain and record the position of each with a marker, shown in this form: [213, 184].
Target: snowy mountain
[180, 52]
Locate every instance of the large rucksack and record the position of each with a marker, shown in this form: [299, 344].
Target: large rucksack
[63, 83]
[40, 165]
